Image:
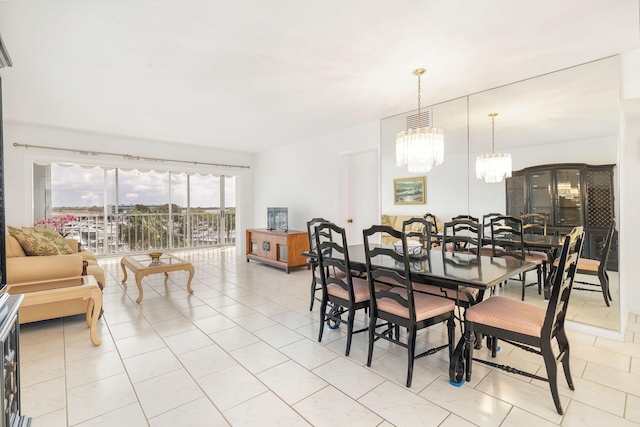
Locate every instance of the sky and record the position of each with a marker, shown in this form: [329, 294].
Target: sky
[84, 187]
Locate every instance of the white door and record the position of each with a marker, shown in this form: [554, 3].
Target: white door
[360, 194]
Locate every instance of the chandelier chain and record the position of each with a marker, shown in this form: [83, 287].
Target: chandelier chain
[419, 90]
[493, 134]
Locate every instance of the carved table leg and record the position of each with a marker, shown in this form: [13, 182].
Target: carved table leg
[124, 271]
[139, 277]
[191, 271]
[95, 301]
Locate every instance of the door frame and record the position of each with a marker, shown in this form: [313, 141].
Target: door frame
[343, 203]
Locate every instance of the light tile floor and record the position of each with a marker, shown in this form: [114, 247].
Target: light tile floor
[242, 350]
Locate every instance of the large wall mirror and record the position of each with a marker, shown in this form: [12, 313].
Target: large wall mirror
[567, 117]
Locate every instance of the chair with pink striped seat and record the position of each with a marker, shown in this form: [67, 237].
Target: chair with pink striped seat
[536, 224]
[400, 305]
[313, 262]
[434, 227]
[593, 267]
[342, 292]
[507, 241]
[462, 236]
[419, 229]
[529, 327]
[486, 231]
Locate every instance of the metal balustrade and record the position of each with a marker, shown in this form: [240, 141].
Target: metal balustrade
[140, 232]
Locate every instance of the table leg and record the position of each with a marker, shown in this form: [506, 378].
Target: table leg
[93, 310]
[124, 271]
[457, 363]
[191, 271]
[139, 283]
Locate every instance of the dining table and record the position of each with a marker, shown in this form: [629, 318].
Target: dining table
[550, 244]
[452, 270]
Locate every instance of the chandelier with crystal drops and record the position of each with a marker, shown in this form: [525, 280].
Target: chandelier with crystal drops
[493, 167]
[418, 149]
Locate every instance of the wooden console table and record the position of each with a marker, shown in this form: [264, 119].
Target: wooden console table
[282, 249]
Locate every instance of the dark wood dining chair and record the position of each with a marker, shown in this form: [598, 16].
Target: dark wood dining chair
[486, 231]
[313, 262]
[470, 217]
[435, 239]
[421, 229]
[486, 221]
[399, 305]
[507, 241]
[529, 327]
[423, 236]
[536, 225]
[432, 219]
[462, 236]
[466, 235]
[598, 268]
[342, 292]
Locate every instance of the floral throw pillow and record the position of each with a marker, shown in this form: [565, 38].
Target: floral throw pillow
[55, 238]
[32, 242]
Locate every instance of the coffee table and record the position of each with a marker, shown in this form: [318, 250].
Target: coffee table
[143, 265]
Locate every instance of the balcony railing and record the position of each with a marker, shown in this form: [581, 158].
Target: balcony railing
[139, 232]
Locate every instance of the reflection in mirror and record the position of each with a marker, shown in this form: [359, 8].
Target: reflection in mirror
[570, 116]
[447, 189]
[567, 117]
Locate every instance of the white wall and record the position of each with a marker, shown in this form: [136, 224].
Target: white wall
[447, 189]
[306, 176]
[18, 161]
[630, 179]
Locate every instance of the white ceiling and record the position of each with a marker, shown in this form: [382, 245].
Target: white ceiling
[251, 75]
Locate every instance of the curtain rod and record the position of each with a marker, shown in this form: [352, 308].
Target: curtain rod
[128, 156]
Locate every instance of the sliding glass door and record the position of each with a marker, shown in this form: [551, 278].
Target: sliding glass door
[113, 210]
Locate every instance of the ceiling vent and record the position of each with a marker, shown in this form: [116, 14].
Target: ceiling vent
[5, 59]
[425, 120]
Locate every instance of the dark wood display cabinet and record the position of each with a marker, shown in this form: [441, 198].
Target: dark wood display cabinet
[569, 195]
[10, 353]
[282, 249]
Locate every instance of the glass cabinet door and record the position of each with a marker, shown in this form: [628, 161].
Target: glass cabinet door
[540, 198]
[569, 208]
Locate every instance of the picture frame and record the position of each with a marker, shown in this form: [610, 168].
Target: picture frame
[410, 191]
